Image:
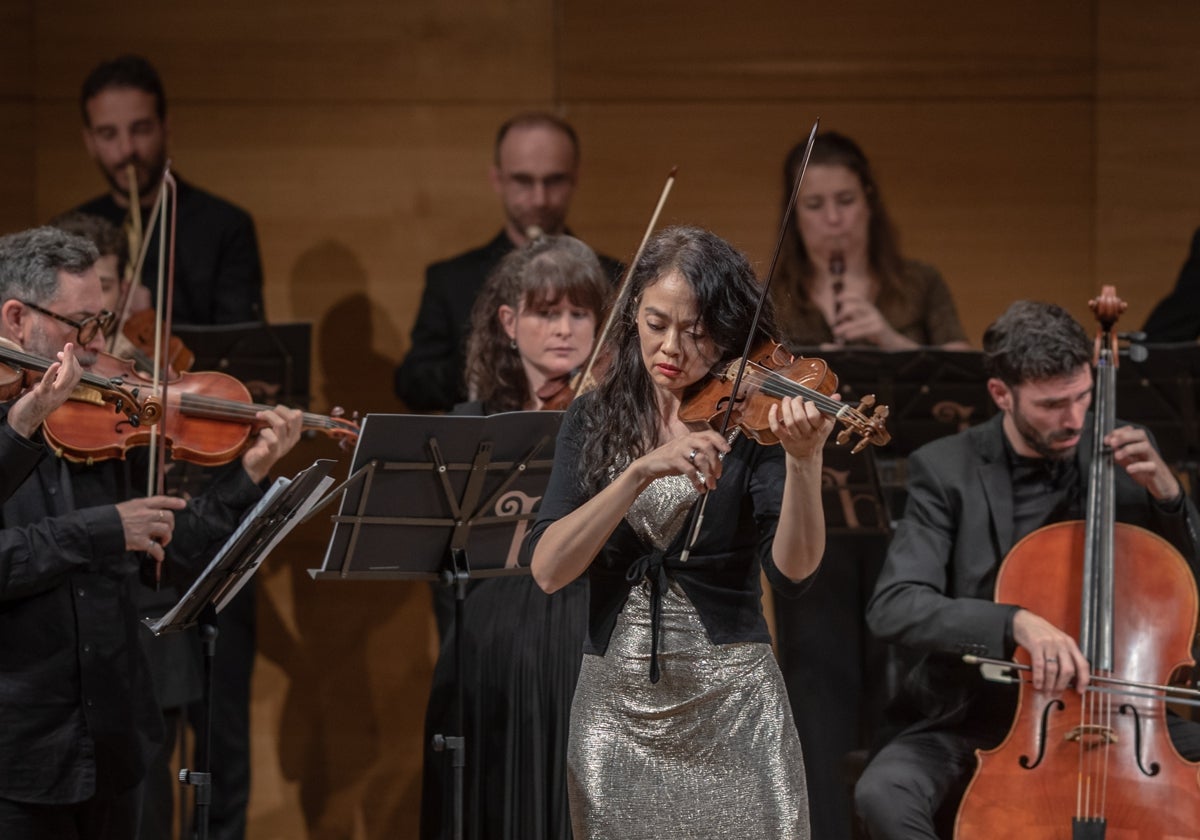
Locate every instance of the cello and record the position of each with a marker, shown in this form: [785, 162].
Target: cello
[1096, 763]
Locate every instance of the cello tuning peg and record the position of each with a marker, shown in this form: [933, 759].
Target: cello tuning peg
[1135, 352]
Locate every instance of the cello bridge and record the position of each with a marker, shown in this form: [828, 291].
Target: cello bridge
[1093, 732]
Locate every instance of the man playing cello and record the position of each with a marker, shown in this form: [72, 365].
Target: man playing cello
[972, 497]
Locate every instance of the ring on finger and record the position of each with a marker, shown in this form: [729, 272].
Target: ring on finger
[692, 455]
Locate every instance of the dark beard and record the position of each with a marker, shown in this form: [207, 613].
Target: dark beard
[1041, 445]
[146, 191]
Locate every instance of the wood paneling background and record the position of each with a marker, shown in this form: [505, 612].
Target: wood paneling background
[1026, 149]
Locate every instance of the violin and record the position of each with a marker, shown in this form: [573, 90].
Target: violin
[19, 370]
[772, 374]
[556, 394]
[139, 331]
[207, 419]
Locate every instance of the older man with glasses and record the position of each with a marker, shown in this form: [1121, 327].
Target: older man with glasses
[80, 718]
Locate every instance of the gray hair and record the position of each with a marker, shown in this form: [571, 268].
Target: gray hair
[31, 260]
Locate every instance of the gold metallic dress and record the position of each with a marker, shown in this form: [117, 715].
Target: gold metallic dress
[710, 750]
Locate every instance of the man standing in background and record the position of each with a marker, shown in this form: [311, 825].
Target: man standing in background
[534, 171]
[218, 280]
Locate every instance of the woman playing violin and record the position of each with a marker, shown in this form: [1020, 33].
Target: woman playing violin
[532, 325]
[680, 725]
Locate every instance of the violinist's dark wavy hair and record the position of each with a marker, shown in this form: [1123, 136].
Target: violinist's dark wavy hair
[622, 416]
[126, 71]
[31, 260]
[789, 288]
[1032, 341]
[539, 274]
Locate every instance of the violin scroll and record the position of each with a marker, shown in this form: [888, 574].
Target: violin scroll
[19, 369]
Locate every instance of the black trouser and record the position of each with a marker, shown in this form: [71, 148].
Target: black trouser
[912, 787]
[95, 819]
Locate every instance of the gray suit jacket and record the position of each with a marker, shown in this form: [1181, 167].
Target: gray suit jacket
[934, 595]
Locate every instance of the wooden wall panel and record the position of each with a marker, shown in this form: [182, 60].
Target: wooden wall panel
[1148, 141]
[16, 59]
[1148, 50]
[1033, 149]
[308, 50]
[1149, 198]
[781, 49]
[17, 186]
[974, 188]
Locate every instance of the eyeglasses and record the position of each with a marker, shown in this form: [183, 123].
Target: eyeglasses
[88, 328]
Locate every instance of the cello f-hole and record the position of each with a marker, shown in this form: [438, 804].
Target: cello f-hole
[1052, 706]
[1128, 709]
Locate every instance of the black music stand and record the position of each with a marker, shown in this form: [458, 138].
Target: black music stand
[273, 360]
[441, 498]
[1159, 392]
[931, 393]
[279, 510]
[851, 493]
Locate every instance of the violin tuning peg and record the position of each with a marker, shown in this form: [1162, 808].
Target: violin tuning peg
[843, 437]
[867, 401]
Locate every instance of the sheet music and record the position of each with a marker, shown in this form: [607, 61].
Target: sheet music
[280, 509]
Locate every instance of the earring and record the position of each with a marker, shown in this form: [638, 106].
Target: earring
[512, 344]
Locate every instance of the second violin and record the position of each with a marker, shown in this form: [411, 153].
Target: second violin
[207, 419]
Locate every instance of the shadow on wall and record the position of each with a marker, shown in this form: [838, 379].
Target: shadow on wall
[350, 726]
[329, 286]
[354, 656]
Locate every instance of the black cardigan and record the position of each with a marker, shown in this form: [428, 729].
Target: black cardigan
[720, 577]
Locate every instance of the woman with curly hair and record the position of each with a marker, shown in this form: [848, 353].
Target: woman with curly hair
[532, 325]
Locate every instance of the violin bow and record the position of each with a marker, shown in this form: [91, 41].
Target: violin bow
[586, 383]
[164, 294]
[140, 245]
[698, 522]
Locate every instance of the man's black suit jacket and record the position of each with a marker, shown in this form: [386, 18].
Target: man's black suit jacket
[934, 595]
[218, 271]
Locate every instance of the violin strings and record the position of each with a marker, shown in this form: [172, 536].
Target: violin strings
[216, 408]
[776, 385]
[104, 385]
